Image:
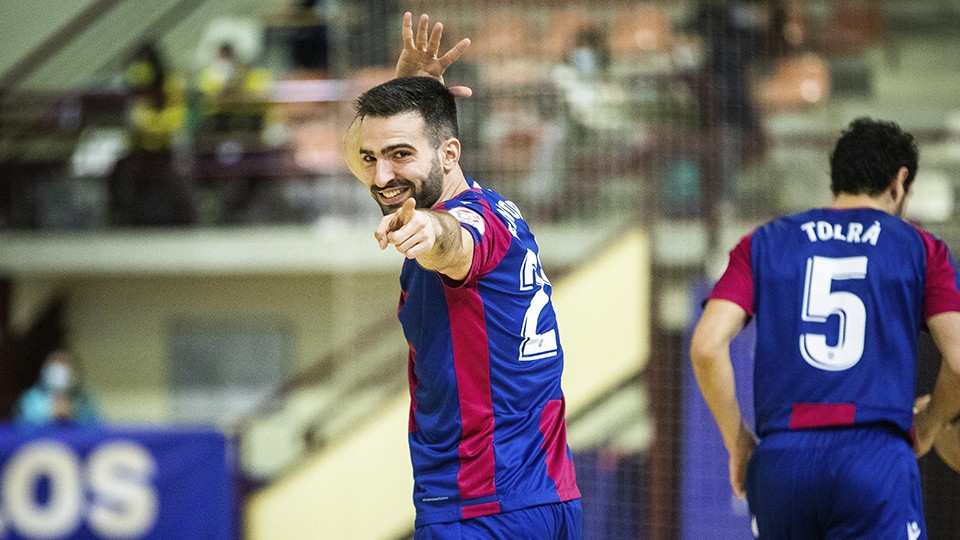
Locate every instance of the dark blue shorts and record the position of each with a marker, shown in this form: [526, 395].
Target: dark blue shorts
[835, 484]
[559, 521]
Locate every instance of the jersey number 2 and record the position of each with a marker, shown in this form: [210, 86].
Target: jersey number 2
[819, 303]
[534, 345]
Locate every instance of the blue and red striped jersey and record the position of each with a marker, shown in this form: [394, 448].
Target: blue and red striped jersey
[840, 297]
[487, 431]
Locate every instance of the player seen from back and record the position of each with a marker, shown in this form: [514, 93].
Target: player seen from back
[840, 296]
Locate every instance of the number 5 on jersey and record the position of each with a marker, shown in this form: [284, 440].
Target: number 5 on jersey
[820, 302]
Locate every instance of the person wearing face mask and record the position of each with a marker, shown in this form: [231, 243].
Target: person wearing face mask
[593, 99]
[58, 396]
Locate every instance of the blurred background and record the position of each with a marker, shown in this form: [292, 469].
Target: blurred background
[175, 213]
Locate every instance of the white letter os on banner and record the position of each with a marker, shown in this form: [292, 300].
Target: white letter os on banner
[119, 476]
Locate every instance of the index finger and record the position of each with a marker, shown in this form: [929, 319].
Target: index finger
[405, 213]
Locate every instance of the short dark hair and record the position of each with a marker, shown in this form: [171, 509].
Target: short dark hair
[422, 95]
[868, 155]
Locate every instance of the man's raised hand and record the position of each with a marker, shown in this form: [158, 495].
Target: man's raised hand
[413, 233]
[419, 55]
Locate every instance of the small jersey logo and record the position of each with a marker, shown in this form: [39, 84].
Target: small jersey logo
[468, 217]
[913, 530]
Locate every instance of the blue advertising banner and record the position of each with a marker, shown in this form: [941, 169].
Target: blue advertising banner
[99, 483]
[708, 508]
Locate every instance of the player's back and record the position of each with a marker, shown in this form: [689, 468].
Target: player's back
[839, 297]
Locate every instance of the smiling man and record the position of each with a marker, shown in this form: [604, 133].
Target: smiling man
[410, 160]
[487, 428]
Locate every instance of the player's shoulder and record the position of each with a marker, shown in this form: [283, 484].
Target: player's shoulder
[474, 195]
[471, 200]
[473, 207]
[932, 244]
[478, 199]
[830, 218]
[922, 231]
[783, 223]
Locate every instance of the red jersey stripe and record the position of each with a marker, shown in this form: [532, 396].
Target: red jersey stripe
[736, 284]
[482, 509]
[815, 415]
[940, 288]
[414, 384]
[471, 361]
[559, 465]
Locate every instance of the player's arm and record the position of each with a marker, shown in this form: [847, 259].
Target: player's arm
[433, 237]
[947, 446]
[721, 321]
[418, 58]
[944, 402]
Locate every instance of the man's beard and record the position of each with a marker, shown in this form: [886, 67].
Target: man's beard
[426, 195]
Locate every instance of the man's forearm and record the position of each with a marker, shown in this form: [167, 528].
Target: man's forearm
[710, 355]
[943, 406]
[449, 255]
[945, 398]
[716, 381]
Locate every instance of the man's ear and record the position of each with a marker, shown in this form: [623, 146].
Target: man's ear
[899, 183]
[449, 154]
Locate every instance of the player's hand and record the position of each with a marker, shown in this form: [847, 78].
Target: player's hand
[419, 55]
[925, 432]
[739, 457]
[413, 232]
[947, 446]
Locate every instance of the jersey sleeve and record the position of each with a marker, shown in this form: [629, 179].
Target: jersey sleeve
[736, 283]
[490, 239]
[941, 291]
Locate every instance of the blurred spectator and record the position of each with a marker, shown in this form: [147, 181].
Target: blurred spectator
[733, 33]
[234, 95]
[363, 43]
[234, 109]
[787, 30]
[592, 108]
[301, 32]
[308, 46]
[146, 186]
[593, 100]
[157, 106]
[59, 396]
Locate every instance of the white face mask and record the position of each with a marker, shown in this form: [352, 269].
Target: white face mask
[585, 61]
[57, 376]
